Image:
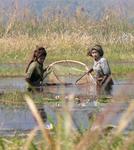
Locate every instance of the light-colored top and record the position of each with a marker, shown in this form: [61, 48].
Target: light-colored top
[101, 67]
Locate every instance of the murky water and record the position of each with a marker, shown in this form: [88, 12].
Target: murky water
[8, 84]
[18, 84]
[19, 119]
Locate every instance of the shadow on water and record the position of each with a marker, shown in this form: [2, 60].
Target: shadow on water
[19, 119]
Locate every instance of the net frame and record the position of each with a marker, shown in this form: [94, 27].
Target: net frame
[51, 67]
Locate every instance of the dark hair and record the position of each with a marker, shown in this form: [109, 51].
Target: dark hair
[96, 47]
[38, 52]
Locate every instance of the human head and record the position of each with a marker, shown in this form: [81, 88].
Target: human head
[40, 54]
[96, 47]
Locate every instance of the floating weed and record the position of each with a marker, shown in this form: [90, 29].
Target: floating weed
[104, 99]
[17, 98]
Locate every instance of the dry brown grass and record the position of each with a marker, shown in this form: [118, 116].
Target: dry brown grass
[60, 34]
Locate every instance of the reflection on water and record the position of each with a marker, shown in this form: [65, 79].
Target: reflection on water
[18, 83]
[19, 119]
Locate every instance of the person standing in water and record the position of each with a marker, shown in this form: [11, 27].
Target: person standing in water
[35, 71]
[34, 77]
[102, 70]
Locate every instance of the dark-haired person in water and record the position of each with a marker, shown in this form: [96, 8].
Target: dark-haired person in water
[101, 69]
[35, 69]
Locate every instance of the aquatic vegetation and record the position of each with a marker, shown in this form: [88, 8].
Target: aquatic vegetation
[17, 98]
[64, 136]
[67, 38]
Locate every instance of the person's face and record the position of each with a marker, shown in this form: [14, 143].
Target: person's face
[41, 59]
[95, 54]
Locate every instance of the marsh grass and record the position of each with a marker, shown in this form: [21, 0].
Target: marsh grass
[12, 70]
[63, 136]
[122, 69]
[67, 38]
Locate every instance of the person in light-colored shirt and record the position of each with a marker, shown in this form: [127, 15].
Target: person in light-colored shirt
[101, 69]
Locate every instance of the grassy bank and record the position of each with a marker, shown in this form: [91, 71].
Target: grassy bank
[19, 49]
[65, 37]
[118, 68]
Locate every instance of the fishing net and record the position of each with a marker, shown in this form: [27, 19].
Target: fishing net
[67, 72]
